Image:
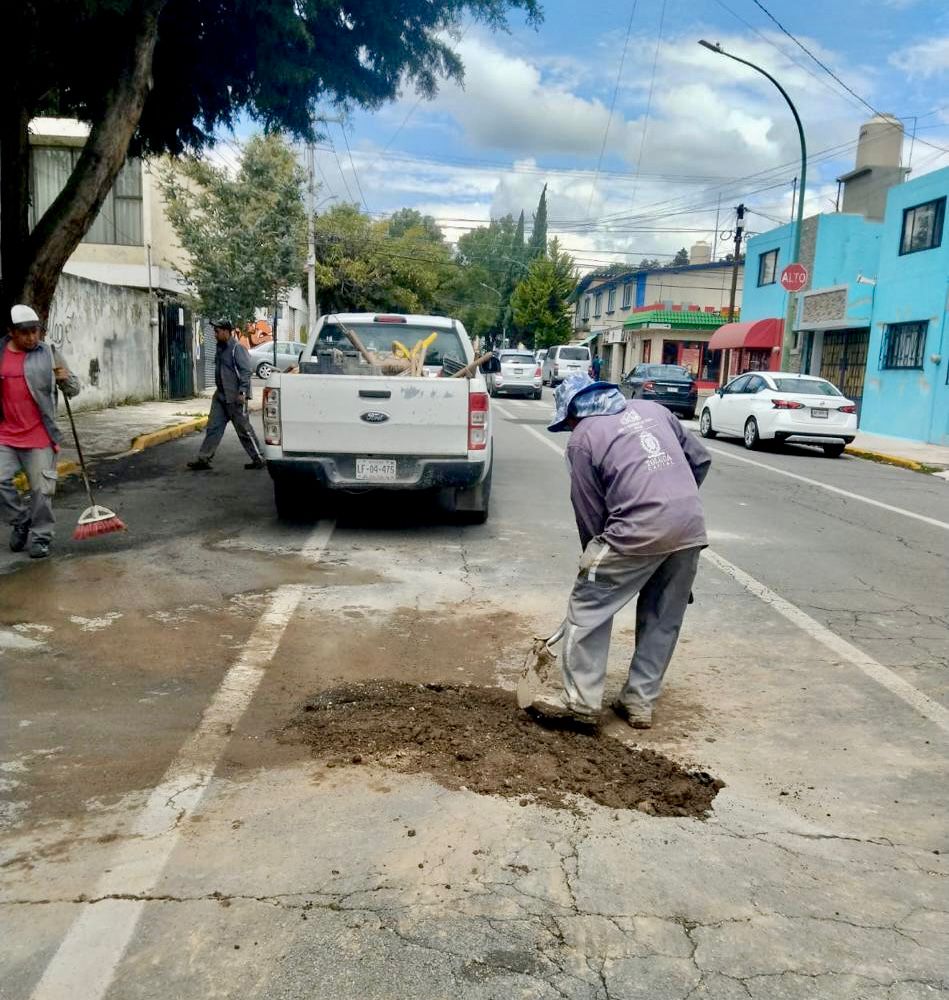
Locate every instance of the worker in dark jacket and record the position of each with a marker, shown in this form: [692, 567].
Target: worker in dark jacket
[635, 475]
[30, 373]
[232, 370]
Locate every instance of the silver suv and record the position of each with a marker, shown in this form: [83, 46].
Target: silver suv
[564, 360]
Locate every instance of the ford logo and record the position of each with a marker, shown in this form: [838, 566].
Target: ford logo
[374, 417]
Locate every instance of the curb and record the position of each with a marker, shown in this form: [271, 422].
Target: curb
[879, 456]
[165, 434]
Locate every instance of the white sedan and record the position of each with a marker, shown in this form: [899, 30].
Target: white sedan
[780, 406]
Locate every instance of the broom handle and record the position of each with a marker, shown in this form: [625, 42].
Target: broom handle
[82, 461]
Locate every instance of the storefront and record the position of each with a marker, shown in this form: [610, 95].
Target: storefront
[753, 346]
[676, 337]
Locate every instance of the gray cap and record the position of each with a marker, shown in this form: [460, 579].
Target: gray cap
[23, 317]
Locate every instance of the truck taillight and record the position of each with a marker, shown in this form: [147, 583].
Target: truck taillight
[271, 414]
[477, 421]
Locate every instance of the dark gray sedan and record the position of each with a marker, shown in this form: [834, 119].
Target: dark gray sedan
[670, 385]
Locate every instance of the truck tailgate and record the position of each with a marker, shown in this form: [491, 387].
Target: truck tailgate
[374, 415]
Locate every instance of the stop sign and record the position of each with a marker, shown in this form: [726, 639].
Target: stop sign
[794, 277]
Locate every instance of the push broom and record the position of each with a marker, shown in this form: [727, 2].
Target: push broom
[94, 520]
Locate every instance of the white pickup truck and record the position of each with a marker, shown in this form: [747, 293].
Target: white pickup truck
[340, 424]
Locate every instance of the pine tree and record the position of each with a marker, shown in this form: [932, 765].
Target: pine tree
[538, 242]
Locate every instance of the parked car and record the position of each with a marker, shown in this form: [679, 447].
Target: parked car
[779, 406]
[670, 385]
[262, 357]
[540, 355]
[520, 375]
[563, 360]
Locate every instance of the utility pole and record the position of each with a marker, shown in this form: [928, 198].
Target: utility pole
[736, 263]
[718, 214]
[311, 306]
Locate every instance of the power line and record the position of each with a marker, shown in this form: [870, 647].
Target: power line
[353, 165]
[609, 120]
[652, 84]
[339, 167]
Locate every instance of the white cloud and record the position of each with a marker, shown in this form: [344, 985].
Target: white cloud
[925, 59]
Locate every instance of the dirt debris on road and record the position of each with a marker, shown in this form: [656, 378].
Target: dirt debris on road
[477, 738]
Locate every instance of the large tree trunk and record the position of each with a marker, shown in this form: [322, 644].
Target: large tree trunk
[14, 195]
[36, 270]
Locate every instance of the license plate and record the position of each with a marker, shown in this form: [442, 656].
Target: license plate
[672, 388]
[518, 371]
[375, 470]
[822, 414]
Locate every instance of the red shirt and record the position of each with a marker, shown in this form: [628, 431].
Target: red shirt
[22, 423]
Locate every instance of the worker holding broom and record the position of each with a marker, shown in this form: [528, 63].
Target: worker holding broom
[635, 475]
[30, 372]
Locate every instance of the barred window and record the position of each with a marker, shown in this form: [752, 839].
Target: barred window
[586, 307]
[598, 304]
[119, 221]
[627, 294]
[904, 345]
[611, 300]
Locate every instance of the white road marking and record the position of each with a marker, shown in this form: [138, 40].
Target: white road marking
[832, 489]
[875, 670]
[532, 431]
[885, 677]
[85, 962]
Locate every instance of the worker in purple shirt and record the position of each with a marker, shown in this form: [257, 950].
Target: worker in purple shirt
[634, 483]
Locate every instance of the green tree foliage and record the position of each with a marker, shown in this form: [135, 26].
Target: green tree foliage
[361, 267]
[648, 263]
[245, 235]
[681, 258]
[165, 75]
[422, 226]
[539, 303]
[537, 246]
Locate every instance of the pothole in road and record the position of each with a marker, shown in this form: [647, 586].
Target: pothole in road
[477, 738]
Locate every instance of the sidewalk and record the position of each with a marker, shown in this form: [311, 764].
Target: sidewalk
[899, 451]
[119, 430]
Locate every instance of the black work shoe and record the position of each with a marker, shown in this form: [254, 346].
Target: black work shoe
[258, 463]
[39, 549]
[200, 465]
[18, 537]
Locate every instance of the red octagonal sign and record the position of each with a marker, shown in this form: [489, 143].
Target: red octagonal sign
[794, 277]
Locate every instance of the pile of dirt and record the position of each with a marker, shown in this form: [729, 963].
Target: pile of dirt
[477, 738]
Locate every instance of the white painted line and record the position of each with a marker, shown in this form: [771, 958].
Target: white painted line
[532, 431]
[832, 489]
[885, 677]
[85, 962]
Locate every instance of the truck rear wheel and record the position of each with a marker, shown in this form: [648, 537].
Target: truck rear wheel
[472, 506]
[290, 498]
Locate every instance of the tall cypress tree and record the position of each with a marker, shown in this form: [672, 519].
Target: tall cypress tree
[517, 247]
[538, 242]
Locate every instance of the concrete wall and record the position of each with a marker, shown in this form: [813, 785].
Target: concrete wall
[765, 301]
[106, 337]
[908, 403]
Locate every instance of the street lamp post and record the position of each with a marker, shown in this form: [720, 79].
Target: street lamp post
[796, 239]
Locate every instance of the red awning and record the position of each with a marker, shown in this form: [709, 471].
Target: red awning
[758, 334]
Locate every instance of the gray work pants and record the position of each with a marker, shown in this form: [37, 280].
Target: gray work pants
[39, 466]
[607, 582]
[222, 413]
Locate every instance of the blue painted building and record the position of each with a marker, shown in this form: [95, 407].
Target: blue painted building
[872, 317]
[907, 384]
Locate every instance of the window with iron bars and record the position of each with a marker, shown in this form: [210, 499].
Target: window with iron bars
[904, 345]
[611, 300]
[627, 294]
[586, 307]
[598, 304]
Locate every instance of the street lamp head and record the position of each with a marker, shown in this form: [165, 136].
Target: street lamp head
[712, 46]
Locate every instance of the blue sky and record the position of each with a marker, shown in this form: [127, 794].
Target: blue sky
[687, 125]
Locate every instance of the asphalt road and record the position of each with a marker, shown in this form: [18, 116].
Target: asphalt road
[160, 840]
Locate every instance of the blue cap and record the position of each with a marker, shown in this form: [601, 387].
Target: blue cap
[571, 392]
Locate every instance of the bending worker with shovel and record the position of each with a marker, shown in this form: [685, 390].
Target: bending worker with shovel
[634, 479]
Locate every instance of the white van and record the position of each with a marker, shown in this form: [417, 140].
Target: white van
[564, 360]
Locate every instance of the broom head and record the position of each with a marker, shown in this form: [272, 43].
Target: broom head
[96, 520]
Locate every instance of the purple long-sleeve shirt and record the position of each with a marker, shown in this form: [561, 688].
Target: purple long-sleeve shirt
[635, 478]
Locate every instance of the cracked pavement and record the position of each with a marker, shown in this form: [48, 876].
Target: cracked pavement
[821, 872]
